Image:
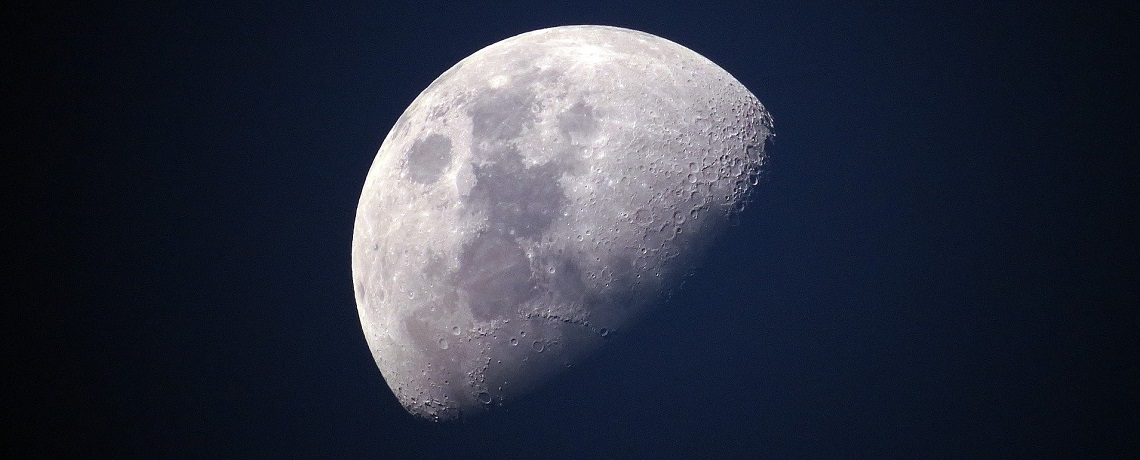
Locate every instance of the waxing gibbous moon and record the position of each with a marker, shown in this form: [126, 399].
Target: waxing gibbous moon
[536, 198]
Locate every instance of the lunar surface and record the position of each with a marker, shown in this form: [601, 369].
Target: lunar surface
[536, 198]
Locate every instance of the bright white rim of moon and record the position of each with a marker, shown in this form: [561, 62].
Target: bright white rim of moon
[534, 199]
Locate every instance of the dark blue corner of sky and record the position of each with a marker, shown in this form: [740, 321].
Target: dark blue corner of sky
[939, 262]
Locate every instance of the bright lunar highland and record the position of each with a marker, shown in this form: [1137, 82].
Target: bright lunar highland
[536, 198]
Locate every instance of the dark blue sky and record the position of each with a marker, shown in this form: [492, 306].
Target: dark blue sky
[938, 262]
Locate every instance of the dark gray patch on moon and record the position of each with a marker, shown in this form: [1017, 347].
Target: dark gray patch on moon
[520, 201]
[494, 276]
[428, 158]
[578, 122]
[569, 282]
[500, 114]
[431, 340]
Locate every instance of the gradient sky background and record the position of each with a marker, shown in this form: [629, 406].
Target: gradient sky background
[938, 262]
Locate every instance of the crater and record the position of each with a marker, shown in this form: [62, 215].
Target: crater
[428, 158]
[494, 276]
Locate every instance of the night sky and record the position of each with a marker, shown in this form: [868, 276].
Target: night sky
[938, 263]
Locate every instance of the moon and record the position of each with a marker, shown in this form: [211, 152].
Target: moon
[534, 200]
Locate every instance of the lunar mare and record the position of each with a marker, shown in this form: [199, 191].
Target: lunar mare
[537, 197]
